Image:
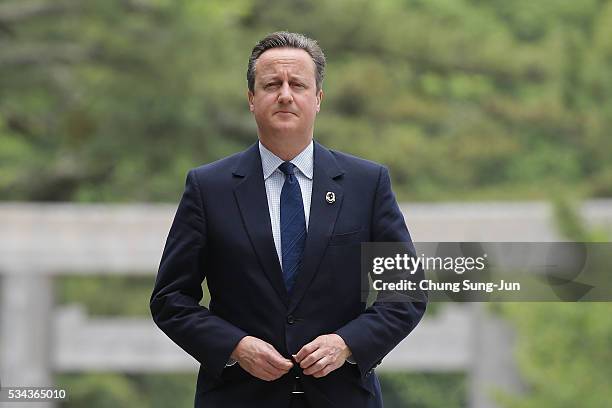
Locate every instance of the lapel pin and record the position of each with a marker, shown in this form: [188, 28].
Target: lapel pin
[330, 197]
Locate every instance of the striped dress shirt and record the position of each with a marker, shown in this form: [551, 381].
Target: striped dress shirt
[274, 180]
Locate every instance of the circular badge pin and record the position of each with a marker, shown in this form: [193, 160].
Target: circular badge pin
[330, 197]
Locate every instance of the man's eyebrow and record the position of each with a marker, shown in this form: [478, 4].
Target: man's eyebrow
[276, 76]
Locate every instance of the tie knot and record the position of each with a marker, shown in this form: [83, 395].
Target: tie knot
[287, 167]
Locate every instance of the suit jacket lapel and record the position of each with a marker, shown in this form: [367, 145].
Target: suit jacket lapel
[252, 201]
[322, 219]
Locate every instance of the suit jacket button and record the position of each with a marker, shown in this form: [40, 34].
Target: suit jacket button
[290, 319]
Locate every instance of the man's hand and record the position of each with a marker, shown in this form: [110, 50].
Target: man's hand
[323, 355]
[260, 359]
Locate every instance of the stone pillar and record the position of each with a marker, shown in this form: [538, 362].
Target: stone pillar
[26, 307]
[493, 366]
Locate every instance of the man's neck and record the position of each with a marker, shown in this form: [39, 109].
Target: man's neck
[285, 148]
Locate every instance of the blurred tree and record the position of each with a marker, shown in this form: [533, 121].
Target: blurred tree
[113, 100]
[106, 390]
[564, 349]
[424, 390]
[565, 354]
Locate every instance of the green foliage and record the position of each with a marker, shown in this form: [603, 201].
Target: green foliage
[572, 226]
[111, 295]
[424, 390]
[565, 354]
[102, 390]
[105, 390]
[107, 295]
[114, 100]
[564, 350]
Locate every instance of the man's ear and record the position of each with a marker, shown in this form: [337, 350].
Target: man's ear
[250, 97]
[319, 99]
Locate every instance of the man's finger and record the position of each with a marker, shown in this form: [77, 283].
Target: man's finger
[278, 361]
[306, 350]
[274, 369]
[323, 372]
[312, 358]
[257, 370]
[280, 364]
[266, 374]
[317, 366]
[272, 372]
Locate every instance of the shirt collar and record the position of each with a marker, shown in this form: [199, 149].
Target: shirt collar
[303, 161]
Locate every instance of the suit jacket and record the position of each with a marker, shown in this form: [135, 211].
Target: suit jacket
[222, 232]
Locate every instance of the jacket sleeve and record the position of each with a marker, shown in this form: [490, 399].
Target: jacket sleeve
[382, 326]
[178, 289]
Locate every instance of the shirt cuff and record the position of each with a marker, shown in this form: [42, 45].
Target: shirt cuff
[230, 362]
[351, 360]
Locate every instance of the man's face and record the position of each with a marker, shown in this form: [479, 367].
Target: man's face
[285, 101]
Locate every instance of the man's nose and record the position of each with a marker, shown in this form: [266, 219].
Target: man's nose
[284, 95]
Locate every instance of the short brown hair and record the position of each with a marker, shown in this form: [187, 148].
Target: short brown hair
[282, 39]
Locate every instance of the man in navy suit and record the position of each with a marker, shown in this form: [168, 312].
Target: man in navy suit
[276, 231]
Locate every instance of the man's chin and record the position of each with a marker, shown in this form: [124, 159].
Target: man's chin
[285, 126]
[285, 118]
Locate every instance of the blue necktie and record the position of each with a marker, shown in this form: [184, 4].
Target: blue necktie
[292, 225]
